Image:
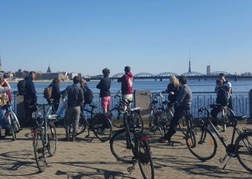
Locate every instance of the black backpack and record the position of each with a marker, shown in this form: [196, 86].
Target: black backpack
[21, 87]
[88, 95]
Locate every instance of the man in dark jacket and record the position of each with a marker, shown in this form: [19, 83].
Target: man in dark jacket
[126, 84]
[104, 86]
[30, 98]
[184, 102]
[75, 99]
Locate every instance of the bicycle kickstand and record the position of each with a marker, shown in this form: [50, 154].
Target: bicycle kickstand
[221, 160]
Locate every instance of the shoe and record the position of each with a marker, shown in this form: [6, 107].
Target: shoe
[163, 140]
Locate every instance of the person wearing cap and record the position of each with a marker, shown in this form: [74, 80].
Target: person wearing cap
[228, 85]
[104, 87]
[126, 84]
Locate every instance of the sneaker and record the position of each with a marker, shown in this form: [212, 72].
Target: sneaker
[218, 127]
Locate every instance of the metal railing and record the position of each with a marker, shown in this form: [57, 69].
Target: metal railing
[240, 101]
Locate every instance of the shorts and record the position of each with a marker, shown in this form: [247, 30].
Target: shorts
[105, 102]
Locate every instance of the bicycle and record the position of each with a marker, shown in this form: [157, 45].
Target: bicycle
[202, 143]
[134, 117]
[131, 146]
[161, 115]
[12, 121]
[98, 123]
[44, 139]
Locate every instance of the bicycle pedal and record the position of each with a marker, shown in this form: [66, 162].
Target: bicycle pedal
[130, 169]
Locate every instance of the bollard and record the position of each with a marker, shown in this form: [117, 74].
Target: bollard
[249, 120]
[142, 100]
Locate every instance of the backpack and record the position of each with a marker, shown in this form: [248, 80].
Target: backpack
[222, 96]
[47, 92]
[88, 95]
[21, 87]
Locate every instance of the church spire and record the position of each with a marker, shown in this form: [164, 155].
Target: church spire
[49, 69]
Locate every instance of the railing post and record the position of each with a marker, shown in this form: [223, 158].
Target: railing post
[249, 120]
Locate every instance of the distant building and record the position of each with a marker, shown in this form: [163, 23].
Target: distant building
[208, 70]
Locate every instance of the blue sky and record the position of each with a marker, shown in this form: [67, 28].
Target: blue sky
[149, 35]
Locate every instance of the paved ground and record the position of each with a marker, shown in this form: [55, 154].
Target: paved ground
[82, 159]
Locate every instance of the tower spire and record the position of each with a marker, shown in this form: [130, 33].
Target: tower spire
[189, 70]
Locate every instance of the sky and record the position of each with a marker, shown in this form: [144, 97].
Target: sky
[153, 36]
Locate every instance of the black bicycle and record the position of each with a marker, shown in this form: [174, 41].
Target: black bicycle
[202, 143]
[45, 139]
[98, 123]
[12, 121]
[134, 115]
[131, 146]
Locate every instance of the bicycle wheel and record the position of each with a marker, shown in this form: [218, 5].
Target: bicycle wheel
[144, 160]
[135, 120]
[15, 122]
[201, 142]
[52, 139]
[243, 146]
[120, 146]
[39, 151]
[82, 126]
[102, 127]
[11, 127]
[183, 125]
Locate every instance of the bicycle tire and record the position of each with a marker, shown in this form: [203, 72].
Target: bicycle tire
[201, 143]
[144, 160]
[243, 148]
[102, 127]
[82, 126]
[15, 122]
[10, 126]
[39, 150]
[52, 139]
[183, 125]
[120, 148]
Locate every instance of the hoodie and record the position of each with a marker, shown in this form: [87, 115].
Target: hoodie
[127, 83]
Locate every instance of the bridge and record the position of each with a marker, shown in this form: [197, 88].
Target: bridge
[167, 75]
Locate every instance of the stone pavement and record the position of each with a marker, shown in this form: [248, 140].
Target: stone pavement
[81, 159]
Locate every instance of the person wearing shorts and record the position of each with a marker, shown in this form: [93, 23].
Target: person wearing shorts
[126, 84]
[104, 86]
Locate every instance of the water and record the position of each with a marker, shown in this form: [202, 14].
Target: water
[203, 92]
[153, 86]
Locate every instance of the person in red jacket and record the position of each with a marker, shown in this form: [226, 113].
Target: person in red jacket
[126, 84]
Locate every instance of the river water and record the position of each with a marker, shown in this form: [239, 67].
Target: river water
[203, 92]
[153, 86]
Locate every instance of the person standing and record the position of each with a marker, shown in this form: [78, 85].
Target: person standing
[6, 84]
[184, 102]
[228, 85]
[30, 98]
[4, 89]
[75, 99]
[55, 93]
[126, 84]
[173, 90]
[104, 86]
